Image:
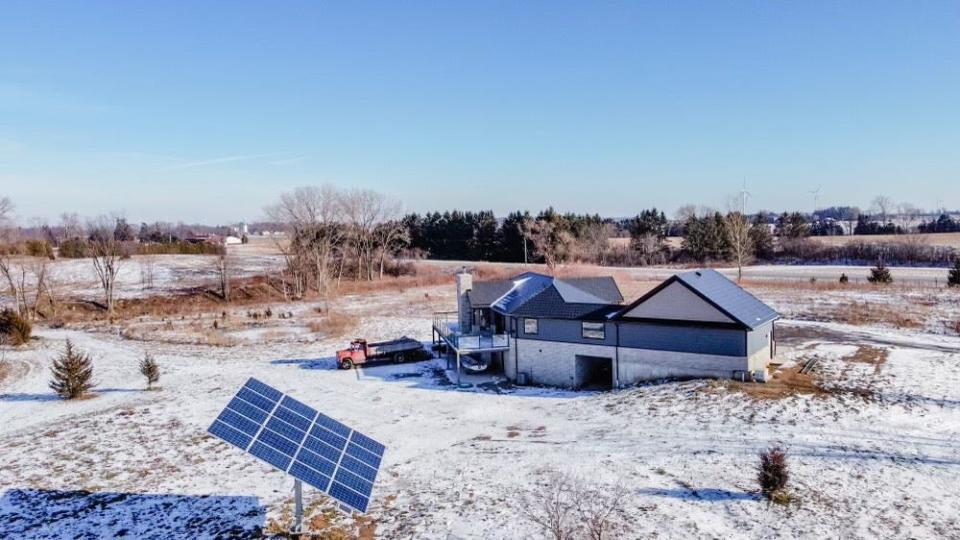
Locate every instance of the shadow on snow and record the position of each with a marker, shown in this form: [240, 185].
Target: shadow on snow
[40, 513]
[55, 397]
[706, 495]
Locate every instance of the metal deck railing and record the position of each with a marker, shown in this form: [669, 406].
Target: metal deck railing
[447, 326]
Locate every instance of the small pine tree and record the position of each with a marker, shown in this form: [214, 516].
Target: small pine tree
[880, 274]
[150, 369]
[72, 373]
[773, 475]
[953, 279]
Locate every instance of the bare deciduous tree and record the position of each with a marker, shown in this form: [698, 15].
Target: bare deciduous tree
[313, 216]
[741, 242]
[595, 241]
[364, 210]
[223, 270]
[148, 264]
[390, 236]
[564, 506]
[106, 254]
[6, 210]
[882, 205]
[549, 242]
[601, 510]
[552, 505]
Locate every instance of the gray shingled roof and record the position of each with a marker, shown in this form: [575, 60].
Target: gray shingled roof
[551, 303]
[604, 287]
[485, 293]
[728, 297]
[546, 296]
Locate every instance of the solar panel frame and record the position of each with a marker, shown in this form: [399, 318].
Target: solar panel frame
[302, 442]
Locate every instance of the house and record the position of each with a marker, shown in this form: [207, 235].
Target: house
[576, 332]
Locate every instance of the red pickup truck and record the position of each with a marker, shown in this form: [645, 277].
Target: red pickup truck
[398, 350]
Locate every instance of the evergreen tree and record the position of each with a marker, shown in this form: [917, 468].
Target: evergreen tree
[880, 274]
[718, 240]
[792, 225]
[511, 237]
[150, 369]
[72, 373]
[761, 238]
[953, 278]
[694, 239]
[648, 230]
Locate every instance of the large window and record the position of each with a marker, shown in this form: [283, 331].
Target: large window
[593, 330]
[530, 326]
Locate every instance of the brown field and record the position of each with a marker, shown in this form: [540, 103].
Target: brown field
[938, 239]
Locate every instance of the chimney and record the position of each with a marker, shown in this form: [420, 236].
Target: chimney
[464, 285]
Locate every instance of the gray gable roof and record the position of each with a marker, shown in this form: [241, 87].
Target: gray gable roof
[722, 293]
[545, 296]
[551, 303]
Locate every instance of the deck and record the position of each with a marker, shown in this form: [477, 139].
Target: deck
[446, 326]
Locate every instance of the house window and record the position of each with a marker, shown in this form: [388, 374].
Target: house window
[530, 326]
[593, 330]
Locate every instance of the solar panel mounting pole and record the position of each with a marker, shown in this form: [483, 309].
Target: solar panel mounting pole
[297, 507]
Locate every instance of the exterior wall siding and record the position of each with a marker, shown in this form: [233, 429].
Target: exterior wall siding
[567, 331]
[677, 302]
[684, 339]
[758, 346]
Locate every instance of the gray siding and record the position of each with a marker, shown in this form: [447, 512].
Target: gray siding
[759, 338]
[567, 331]
[687, 339]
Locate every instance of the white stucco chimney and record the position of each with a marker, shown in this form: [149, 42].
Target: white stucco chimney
[464, 285]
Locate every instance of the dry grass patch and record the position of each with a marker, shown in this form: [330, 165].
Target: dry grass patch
[334, 324]
[865, 313]
[785, 382]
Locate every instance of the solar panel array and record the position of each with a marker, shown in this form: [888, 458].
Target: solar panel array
[302, 442]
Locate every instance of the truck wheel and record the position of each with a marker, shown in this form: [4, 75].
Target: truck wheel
[398, 358]
[346, 364]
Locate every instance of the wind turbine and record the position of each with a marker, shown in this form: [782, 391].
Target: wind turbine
[743, 198]
[816, 198]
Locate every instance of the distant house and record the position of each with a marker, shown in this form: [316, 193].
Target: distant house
[576, 332]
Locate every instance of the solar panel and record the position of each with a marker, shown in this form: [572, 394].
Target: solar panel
[302, 442]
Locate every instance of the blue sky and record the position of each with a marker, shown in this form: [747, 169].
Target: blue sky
[205, 111]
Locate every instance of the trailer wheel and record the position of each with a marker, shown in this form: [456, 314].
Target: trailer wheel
[398, 358]
[346, 364]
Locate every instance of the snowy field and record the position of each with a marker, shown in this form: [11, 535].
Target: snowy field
[875, 455]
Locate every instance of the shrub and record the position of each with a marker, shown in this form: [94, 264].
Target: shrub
[72, 373]
[73, 248]
[772, 474]
[150, 369]
[880, 274]
[15, 328]
[39, 248]
[844, 279]
[953, 278]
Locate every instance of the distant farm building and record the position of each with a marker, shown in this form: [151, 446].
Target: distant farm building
[576, 332]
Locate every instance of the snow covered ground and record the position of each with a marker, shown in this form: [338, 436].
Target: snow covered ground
[885, 463]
